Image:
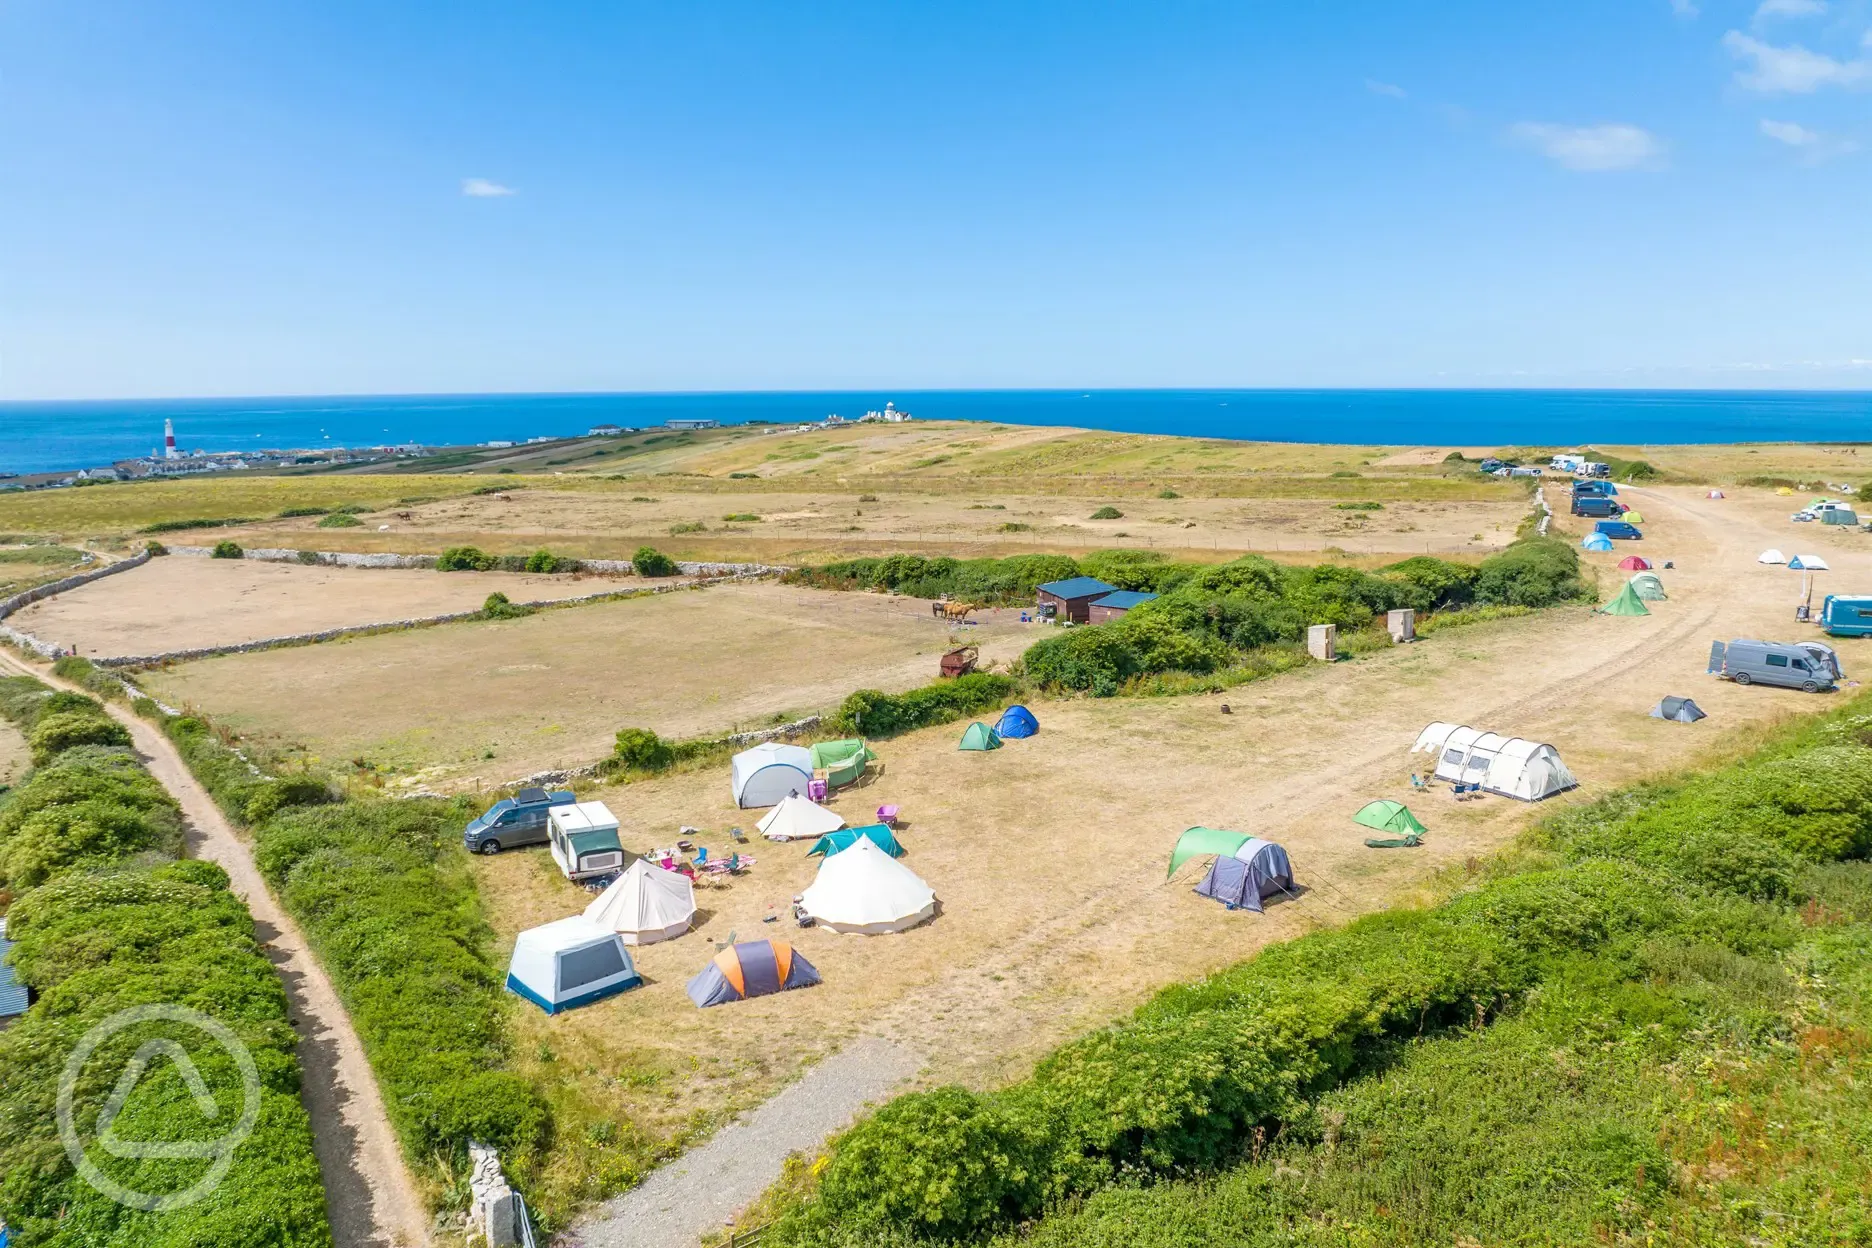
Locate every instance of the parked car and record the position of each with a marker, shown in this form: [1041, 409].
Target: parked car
[1809, 666]
[1593, 506]
[1595, 489]
[514, 821]
[1618, 530]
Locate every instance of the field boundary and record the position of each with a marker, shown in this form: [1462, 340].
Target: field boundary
[389, 559]
[136, 661]
[38, 593]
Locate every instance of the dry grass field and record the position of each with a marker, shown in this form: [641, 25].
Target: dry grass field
[464, 704]
[1048, 855]
[22, 566]
[183, 602]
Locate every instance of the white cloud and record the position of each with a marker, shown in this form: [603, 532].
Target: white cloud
[1386, 88]
[1684, 8]
[1789, 8]
[1813, 146]
[1592, 149]
[1792, 69]
[481, 188]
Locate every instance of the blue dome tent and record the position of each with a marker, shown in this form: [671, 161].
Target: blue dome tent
[1017, 721]
[1597, 541]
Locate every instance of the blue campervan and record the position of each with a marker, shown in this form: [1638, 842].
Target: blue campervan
[1846, 615]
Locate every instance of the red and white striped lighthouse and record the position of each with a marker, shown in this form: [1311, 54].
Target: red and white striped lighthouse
[169, 451]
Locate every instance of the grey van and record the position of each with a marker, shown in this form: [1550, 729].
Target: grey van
[1805, 665]
[514, 821]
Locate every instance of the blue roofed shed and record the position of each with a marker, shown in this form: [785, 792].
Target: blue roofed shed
[1071, 599]
[1113, 605]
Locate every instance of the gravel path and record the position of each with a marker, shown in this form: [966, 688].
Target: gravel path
[368, 1194]
[701, 1190]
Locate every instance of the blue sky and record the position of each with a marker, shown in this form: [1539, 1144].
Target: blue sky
[242, 198]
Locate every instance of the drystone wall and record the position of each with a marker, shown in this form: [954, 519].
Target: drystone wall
[39, 593]
[353, 559]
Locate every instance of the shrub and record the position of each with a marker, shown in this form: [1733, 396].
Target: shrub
[227, 550]
[294, 513]
[692, 526]
[64, 730]
[649, 561]
[1437, 584]
[1108, 512]
[642, 750]
[1015, 526]
[1534, 572]
[499, 607]
[546, 561]
[1365, 506]
[155, 550]
[872, 713]
[741, 517]
[1168, 493]
[341, 520]
[464, 559]
[179, 526]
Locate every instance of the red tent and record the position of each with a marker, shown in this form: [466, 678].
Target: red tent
[1635, 563]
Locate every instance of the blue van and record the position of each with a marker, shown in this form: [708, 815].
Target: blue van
[1592, 505]
[1845, 615]
[1594, 489]
[1618, 530]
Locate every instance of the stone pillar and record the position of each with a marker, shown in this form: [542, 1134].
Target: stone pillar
[1320, 639]
[1402, 625]
[496, 1206]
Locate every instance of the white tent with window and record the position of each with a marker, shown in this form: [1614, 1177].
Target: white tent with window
[764, 775]
[798, 818]
[568, 963]
[645, 904]
[1509, 766]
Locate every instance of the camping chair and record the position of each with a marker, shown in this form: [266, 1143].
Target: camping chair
[816, 789]
[1409, 841]
[887, 815]
[739, 836]
[1417, 781]
[701, 856]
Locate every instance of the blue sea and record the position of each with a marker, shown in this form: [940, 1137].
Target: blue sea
[58, 436]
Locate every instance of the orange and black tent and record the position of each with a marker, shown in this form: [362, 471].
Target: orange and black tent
[753, 968]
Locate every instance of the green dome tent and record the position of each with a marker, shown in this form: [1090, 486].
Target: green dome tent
[1632, 517]
[1388, 817]
[1199, 841]
[980, 736]
[1626, 603]
[1648, 588]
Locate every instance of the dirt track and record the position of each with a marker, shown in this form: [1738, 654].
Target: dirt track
[1048, 855]
[368, 1193]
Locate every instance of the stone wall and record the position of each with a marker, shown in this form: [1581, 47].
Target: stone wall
[39, 592]
[351, 559]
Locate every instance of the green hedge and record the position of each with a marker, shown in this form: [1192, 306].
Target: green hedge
[872, 713]
[392, 913]
[1191, 1078]
[105, 919]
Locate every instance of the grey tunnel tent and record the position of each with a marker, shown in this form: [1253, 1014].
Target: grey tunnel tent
[1683, 710]
[1240, 880]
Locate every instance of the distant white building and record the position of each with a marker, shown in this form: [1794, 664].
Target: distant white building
[692, 423]
[890, 415]
[604, 431]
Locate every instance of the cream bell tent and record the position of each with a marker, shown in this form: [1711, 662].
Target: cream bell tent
[569, 962]
[798, 818]
[764, 775]
[864, 890]
[1771, 556]
[645, 904]
[1509, 766]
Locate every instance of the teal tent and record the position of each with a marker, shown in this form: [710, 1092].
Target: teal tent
[980, 736]
[879, 835]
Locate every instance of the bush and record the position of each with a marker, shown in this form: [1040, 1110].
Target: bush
[872, 713]
[294, 513]
[1366, 506]
[741, 517]
[179, 526]
[464, 559]
[499, 607]
[546, 561]
[84, 806]
[1534, 572]
[341, 520]
[155, 550]
[227, 550]
[64, 730]
[1168, 493]
[649, 561]
[1437, 584]
[1108, 512]
[642, 750]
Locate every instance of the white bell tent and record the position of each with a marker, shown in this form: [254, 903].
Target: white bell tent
[798, 818]
[645, 904]
[864, 890]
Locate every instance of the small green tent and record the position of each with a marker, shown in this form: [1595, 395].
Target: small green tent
[1626, 603]
[1648, 588]
[1387, 816]
[980, 736]
[1632, 517]
[843, 761]
[1204, 841]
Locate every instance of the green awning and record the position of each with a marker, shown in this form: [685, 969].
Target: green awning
[1198, 841]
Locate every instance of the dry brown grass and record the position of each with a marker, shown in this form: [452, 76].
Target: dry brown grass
[552, 690]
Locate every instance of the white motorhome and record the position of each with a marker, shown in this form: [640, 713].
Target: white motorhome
[584, 840]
